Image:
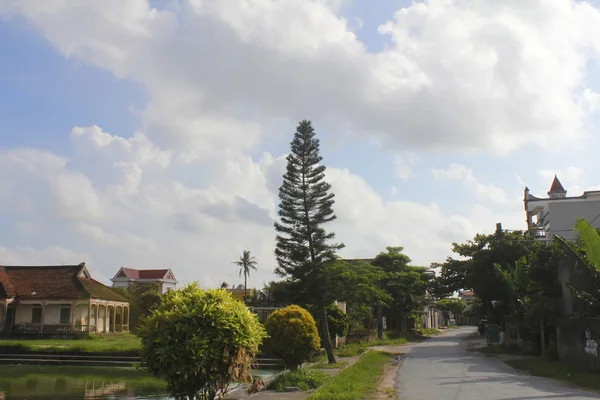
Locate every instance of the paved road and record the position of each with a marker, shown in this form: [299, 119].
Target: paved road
[442, 369]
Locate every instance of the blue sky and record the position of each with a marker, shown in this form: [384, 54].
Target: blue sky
[162, 145]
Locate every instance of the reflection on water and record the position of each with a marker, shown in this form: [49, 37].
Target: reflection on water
[26, 382]
[70, 383]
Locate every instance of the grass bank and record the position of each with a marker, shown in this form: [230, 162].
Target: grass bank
[389, 339]
[303, 379]
[114, 343]
[557, 370]
[360, 381]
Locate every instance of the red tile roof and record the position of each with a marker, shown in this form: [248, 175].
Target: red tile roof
[145, 273]
[51, 282]
[556, 187]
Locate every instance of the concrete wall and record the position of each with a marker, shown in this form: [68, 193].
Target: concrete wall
[578, 341]
[172, 286]
[563, 216]
[23, 314]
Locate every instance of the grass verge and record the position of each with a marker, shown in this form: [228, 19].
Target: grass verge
[390, 338]
[360, 381]
[324, 365]
[557, 370]
[114, 343]
[303, 379]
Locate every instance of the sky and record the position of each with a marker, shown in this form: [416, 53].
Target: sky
[153, 134]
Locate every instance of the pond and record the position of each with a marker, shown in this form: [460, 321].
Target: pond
[27, 382]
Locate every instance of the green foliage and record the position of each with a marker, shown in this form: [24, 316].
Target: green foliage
[293, 335]
[306, 204]
[337, 320]
[359, 381]
[405, 285]
[114, 343]
[303, 379]
[142, 299]
[200, 341]
[246, 263]
[590, 241]
[455, 305]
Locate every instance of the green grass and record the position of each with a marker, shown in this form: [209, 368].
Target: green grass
[324, 365]
[115, 343]
[351, 350]
[430, 331]
[390, 338]
[360, 381]
[303, 379]
[557, 370]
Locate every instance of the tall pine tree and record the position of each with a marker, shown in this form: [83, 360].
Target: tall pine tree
[303, 246]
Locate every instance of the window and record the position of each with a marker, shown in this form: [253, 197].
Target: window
[65, 314]
[36, 314]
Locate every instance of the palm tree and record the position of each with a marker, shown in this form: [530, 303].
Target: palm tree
[224, 285]
[246, 263]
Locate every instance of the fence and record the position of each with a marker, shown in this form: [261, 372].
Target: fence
[577, 342]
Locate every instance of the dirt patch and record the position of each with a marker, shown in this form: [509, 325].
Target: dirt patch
[387, 383]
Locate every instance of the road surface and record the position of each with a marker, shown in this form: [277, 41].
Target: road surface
[442, 369]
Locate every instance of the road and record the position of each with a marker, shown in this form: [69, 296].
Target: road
[442, 369]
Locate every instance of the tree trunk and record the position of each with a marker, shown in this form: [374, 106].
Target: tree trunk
[245, 288]
[325, 335]
[543, 336]
[379, 321]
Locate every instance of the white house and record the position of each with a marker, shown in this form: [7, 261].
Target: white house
[58, 299]
[164, 277]
[557, 214]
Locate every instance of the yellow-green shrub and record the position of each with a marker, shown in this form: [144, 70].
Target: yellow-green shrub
[293, 335]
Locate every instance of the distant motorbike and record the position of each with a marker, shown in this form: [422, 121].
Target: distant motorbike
[481, 326]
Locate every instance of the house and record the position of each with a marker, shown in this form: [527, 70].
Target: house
[557, 214]
[58, 299]
[238, 292]
[164, 277]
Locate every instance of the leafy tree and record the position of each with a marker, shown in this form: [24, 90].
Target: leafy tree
[200, 341]
[303, 247]
[143, 298]
[454, 305]
[246, 263]
[407, 285]
[337, 320]
[293, 335]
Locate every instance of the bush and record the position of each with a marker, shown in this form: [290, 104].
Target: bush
[293, 335]
[302, 379]
[200, 341]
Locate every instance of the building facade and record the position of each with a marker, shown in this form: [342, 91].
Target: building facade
[557, 214]
[163, 277]
[58, 299]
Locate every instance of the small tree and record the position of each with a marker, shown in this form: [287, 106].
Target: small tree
[200, 341]
[143, 298]
[454, 305]
[246, 263]
[293, 335]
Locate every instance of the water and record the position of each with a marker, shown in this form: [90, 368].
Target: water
[26, 382]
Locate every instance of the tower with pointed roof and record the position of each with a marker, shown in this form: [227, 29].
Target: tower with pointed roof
[557, 191]
[558, 213]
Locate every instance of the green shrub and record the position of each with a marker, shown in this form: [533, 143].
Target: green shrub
[200, 341]
[293, 335]
[303, 379]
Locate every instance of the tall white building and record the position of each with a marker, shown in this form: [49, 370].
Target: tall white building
[557, 214]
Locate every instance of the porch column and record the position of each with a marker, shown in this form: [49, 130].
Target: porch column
[73, 314]
[128, 324]
[43, 316]
[89, 319]
[114, 318]
[122, 317]
[3, 320]
[106, 326]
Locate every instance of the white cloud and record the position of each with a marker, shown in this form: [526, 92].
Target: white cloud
[458, 172]
[215, 71]
[404, 165]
